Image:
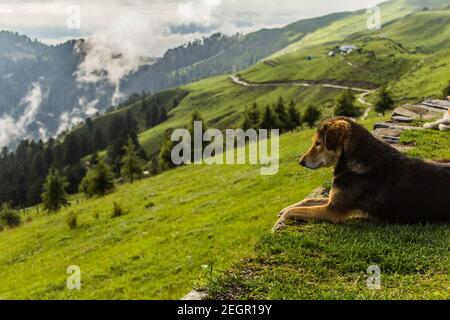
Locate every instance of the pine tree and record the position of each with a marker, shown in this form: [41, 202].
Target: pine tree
[280, 111]
[268, 121]
[9, 217]
[131, 163]
[98, 181]
[346, 106]
[93, 160]
[446, 92]
[162, 115]
[71, 149]
[384, 102]
[165, 153]
[293, 117]
[254, 116]
[152, 116]
[311, 115]
[132, 125]
[115, 153]
[54, 196]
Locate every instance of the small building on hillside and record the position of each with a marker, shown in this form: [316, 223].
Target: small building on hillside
[347, 49]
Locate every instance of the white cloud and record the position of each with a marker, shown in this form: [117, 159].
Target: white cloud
[150, 18]
[16, 128]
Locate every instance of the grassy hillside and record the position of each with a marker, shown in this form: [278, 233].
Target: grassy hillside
[325, 261]
[182, 224]
[399, 52]
[357, 22]
[178, 223]
[385, 57]
[222, 103]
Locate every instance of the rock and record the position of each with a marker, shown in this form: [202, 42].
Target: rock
[431, 115]
[418, 109]
[194, 296]
[402, 119]
[387, 132]
[387, 125]
[437, 104]
[319, 192]
[403, 112]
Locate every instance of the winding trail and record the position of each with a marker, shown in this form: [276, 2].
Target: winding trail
[361, 97]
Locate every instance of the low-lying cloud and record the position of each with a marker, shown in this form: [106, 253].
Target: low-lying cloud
[15, 128]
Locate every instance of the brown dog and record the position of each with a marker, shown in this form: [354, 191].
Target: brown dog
[371, 179]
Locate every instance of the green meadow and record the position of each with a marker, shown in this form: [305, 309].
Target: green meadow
[208, 227]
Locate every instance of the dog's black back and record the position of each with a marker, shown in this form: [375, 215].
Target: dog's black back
[381, 181]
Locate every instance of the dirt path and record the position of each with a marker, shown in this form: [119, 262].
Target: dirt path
[361, 97]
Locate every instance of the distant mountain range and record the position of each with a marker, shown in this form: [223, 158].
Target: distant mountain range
[45, 90]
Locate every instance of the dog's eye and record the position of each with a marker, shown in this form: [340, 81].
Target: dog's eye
[318, 144]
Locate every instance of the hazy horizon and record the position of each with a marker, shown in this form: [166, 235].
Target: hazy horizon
[157, 25]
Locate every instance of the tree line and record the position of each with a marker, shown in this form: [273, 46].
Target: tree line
[24, 171]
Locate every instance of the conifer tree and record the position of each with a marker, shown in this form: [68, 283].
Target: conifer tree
[54, 196]
[293, 117]
[311, 115]
[98, 181]
[280, 111]
[131, 163]
[384, 102]
[162, 115]
[268, 121]
[346, 105]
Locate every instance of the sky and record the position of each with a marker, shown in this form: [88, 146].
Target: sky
[150, 27]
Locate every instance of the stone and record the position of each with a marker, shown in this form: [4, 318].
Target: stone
[387, 125]
[194, 295]
[387, 132]
[402, 119]
[438, 104]
[403, 112]
[431, 115]
[319, 192]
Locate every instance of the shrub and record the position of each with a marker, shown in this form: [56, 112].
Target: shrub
[384, 102]
[118, 211]
[346, 106]
[72, 220]
[9, 217]
[98, 181]
[311, 115]
[54, 196]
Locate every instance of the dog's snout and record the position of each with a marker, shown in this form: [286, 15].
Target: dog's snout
[302, 162]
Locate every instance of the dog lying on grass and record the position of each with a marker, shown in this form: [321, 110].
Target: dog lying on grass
[442, 124]
[371, 180]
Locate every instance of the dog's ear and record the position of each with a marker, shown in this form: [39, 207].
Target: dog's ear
[336, 133]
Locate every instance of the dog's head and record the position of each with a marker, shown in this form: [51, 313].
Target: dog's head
[328, 143]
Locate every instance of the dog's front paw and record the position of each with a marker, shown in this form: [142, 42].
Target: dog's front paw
[428, 126]
[281, 224]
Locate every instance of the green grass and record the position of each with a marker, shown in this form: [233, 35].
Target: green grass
[428, 144]
[222, 104]
[176, 223]
[325, 261]
[183, 223]
[401, 64]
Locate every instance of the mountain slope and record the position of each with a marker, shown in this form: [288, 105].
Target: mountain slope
[66, 98]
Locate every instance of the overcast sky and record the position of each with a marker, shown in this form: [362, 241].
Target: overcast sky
[158, 24]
